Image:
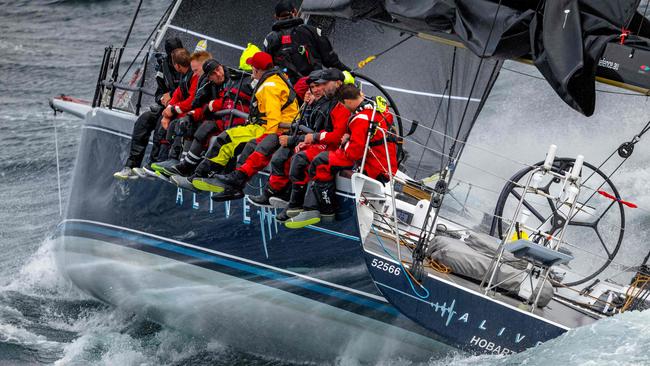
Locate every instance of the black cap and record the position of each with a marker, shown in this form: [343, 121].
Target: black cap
[210, 65]
[325, 75]
[283, 7]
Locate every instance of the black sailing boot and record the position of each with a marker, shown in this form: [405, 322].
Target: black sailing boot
[235, 179]
[184, 168]
[294, 206]
[319, 204]
[264, 199]
[297, 199]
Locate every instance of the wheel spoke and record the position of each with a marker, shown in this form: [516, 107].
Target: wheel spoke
[606, 210]
[609, 255]
[584, 224]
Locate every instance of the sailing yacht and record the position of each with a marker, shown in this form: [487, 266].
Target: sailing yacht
[399, 273]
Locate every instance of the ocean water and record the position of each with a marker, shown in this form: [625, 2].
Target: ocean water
[53, 47]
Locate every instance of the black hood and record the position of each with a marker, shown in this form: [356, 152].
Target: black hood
[172, 44]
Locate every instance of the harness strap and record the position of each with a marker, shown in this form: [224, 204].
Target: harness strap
[255, 114]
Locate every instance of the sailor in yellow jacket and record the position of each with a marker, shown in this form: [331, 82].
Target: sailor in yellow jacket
[274, 104]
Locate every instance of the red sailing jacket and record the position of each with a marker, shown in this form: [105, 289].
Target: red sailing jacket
[339, 117]
[179, 102]
[358, 127]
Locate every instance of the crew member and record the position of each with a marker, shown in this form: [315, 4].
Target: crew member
[168, 76]
[178, 106]
[297, 47]
[274, 103]
[370, 118]
[181, 131]
[329, 123]
[236, 95]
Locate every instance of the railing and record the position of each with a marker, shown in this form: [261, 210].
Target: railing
[108, 85]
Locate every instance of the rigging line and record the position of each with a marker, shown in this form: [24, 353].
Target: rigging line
[135, 16]
[58, 166]
[374, 57]
[435, 119]
[463, 142]
[644, 18]
[156, 28]
[447, 115]
[409, 276]
[215, 40]
[507, 180]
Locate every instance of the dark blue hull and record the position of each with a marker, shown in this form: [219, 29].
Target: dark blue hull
[324, 264]
[467, 319]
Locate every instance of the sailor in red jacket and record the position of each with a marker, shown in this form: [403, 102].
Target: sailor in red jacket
[179, 105]
[368, 119]
[329, 119]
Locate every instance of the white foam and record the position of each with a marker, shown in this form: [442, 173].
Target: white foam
[13, 334]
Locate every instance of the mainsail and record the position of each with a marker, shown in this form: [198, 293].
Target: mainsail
[564, 39]
[442, 88]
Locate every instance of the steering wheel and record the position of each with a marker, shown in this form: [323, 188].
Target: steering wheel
[596, 218]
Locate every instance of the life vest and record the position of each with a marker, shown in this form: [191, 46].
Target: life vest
[384, 120]
[185, 83]
[254, 115]
[236, 97]
[206, 91]
[319, 118]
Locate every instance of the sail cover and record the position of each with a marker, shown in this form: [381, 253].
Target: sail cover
[441, 87]
[564, 38]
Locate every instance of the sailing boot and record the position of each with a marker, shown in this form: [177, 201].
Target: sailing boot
[319, 205]
[140, 172]
[281, 199]
[263, 198]
[233, 185]
[183, 182]
[235, 179]
[294, 206]
[184, 168]
[269, 194]
[207, 168]
[228, 194]
[165, 166]
[228, 186]
[125, 174]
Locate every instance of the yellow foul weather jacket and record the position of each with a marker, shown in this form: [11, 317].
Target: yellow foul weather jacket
[271, 96]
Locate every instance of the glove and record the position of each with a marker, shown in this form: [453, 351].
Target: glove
[183, 125]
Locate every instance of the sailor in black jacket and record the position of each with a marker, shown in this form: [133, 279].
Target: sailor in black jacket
[167, 78]
[298, 47]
